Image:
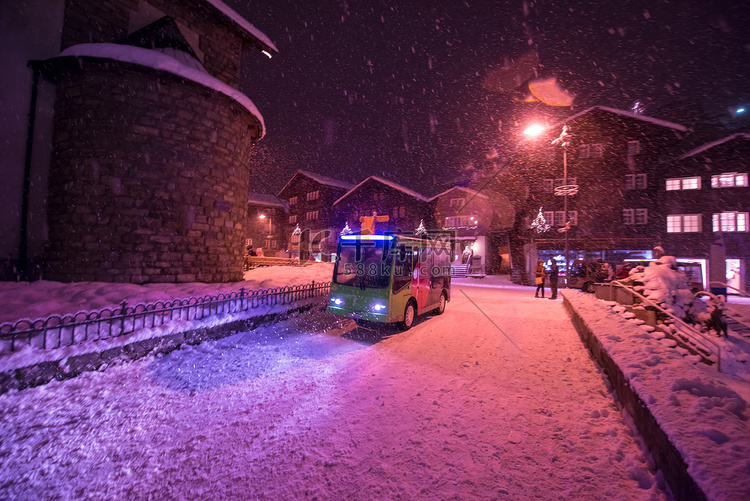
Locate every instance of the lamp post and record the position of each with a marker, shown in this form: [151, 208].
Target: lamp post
[565, 190]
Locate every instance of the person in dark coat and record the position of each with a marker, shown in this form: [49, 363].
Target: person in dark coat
[553, 276]
[539, 274]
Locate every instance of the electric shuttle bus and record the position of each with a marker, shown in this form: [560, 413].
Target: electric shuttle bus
[390, 278]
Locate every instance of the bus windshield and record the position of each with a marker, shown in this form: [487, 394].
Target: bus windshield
[362, 264]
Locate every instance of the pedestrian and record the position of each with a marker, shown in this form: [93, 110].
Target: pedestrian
[539, 273]
[467, 255]
[553, 275]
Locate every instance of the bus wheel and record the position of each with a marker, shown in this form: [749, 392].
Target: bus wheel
[441, 308]
[410, 314]
[588, 287]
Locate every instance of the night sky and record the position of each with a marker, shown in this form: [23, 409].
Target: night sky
[394, 88]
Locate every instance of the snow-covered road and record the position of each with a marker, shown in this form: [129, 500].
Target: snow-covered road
[315, 407]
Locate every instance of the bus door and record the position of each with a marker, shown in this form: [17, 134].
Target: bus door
[439, 271]
[420, 285]
[402, 267]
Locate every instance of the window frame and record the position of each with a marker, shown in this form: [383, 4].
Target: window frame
[739, 180]
[679, 183]
[739, 222]
[641, 217]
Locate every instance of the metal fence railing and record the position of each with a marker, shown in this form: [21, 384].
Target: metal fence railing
[691, 335]
[55, 331]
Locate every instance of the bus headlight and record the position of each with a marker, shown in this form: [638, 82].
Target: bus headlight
[337, 301]
[377, 307]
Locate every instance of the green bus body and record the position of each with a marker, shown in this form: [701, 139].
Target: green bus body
[377, 276]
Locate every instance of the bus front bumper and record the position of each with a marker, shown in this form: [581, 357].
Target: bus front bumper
[357, 315]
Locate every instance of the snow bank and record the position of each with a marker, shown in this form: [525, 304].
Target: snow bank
[31, 300]
[705, 419]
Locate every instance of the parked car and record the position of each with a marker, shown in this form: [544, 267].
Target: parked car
[584, 274]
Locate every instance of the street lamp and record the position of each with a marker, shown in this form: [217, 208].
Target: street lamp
[534, 130]
[565, 190]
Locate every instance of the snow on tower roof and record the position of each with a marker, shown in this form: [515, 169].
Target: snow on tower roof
[160, 61]
[393, 185]
[701, 149]
[319, 179]
[266, 200]
[243, 23]
[474, 193]
[623, 113]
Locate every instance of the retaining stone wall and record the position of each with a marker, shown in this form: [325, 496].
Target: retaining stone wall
[666, 456]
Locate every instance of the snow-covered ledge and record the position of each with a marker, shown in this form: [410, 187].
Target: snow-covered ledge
[695, 425]
[160, 61]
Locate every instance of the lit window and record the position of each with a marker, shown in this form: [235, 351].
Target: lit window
[457, 202]
[313, 195]
[549, 217]
[729, 180]
[460, 221]
[547, 185]
[292, 200]
[292, 219]
[692, 223]
[634, 148]
[684, 183]
[730, 221]
[684, 223]
[583, 151]
[311, 216]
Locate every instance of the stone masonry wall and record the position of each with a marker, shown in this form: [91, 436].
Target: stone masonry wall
[106, 21]
[149, 178]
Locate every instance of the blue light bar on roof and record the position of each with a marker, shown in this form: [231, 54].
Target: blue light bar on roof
[367, 237]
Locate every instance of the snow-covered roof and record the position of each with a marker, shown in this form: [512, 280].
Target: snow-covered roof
[163, 62]
[243, 23]
[623, 113]
[474, 193]
[265, 200]
[319, 179]
[393, 185]
[701, 149]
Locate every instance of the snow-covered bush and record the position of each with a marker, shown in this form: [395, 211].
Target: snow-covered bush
[666, 285]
